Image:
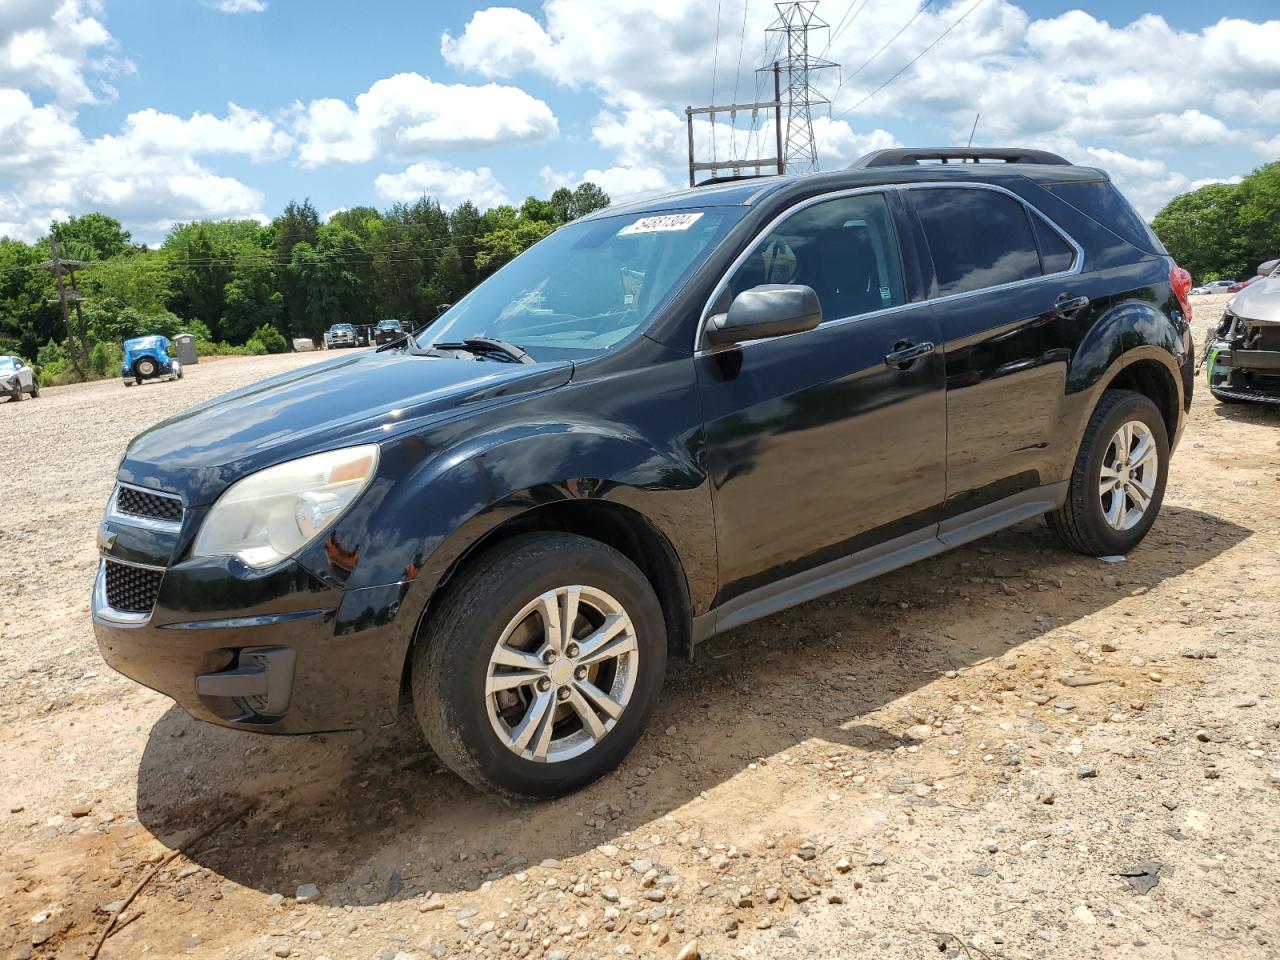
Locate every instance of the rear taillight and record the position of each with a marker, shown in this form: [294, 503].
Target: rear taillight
[1180, 279]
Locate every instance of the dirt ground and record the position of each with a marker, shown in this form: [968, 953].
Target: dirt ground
[900, 770]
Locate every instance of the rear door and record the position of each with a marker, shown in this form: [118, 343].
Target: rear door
[818, 446]
[1010, 302]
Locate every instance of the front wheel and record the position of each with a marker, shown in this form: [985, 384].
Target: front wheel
[538, 670]
[1117, 484]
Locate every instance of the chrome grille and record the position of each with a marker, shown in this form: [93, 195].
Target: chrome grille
[131, 589]
[153, 506]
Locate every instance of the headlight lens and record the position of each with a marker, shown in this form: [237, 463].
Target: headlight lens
[273, 513]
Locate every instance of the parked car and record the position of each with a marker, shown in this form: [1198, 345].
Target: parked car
[340, 335]
[1243, 355]
[665, 420]
[147, 358]
[1240, 285]
[386, 331]
[17, 378]
[1213, 286]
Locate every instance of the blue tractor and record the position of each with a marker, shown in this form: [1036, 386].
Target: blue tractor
[147, 358]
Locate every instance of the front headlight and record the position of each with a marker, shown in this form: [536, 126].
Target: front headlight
[272, 514]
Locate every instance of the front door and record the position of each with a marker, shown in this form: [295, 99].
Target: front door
[823, 443]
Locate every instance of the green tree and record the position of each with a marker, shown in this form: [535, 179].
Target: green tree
[29, 315]
[94, 236]
[1201, 230]
[140, 279]
[1259, 215]
[300, 223]
[250, 299]
[588, 197]
[1224, 230]
[324, 270]
[204, 258]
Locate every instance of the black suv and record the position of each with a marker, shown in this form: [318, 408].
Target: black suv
[663, 421]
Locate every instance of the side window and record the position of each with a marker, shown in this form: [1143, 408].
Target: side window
[1056, 255]
[978, 238]
[845, 249]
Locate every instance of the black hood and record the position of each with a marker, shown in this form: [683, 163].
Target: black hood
[355, 399]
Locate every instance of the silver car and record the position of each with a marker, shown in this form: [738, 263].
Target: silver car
[1243, 354]
[16, 378]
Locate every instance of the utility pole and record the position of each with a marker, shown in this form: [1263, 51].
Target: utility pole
[796, 21]
[75, 339]
[735, 166]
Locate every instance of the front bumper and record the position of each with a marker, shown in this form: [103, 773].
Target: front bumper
[275, 651]
[1243, 374]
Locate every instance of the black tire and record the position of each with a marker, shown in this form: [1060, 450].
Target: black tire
[16, 396]
[454, 645]
[1080, 523]
[35, 389]
[144, 368]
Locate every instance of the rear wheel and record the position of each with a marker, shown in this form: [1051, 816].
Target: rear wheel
[35, 388]
[145, 368]
[541, 665]
[1117, 485]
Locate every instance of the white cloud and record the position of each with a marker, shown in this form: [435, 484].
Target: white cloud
[241, 131]
[148, 174]
[60, 46]
[411, 115]
[448, 184]
[241, 6]
[620, 182]
[1144, 89]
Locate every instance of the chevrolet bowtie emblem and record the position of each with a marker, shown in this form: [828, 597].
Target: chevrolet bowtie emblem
[106, 539]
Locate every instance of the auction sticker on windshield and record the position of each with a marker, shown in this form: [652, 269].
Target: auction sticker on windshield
[663, 224]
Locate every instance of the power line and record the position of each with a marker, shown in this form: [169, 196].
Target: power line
[715, 61]
[737, 74]
[913, 60]
[924, 6]
[844, 24]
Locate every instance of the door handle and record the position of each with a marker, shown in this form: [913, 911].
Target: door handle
[1064, 306]
[905, 353]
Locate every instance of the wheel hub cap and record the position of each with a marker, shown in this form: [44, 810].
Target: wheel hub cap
[1127, 480]
[562, 674]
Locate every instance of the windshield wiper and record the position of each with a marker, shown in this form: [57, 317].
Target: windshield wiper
[487, 345]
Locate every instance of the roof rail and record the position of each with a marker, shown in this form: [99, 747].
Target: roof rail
[912, 156]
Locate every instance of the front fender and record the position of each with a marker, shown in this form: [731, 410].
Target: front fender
[442, 501]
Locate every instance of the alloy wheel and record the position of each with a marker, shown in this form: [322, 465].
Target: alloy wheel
[561, 674]
[1127, 480]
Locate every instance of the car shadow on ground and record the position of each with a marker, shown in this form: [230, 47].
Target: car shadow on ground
[1248, 412]
[373, 817]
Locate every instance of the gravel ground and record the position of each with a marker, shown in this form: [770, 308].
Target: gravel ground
[1006, 751]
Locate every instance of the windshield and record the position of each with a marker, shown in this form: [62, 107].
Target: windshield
[389, 325]
[8, 363]
[341, 328]
[587, 286]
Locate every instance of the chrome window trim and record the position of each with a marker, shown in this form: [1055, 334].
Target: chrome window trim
[1077, 266]
[115, 515]
[103, 610]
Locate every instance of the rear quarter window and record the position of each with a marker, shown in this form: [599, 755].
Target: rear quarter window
[1101, 202]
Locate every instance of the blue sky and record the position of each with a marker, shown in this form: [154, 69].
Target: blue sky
[125, 106]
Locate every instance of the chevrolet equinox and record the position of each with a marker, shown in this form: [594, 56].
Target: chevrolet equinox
[665, 420]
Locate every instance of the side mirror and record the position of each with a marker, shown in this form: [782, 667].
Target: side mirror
[769, 310]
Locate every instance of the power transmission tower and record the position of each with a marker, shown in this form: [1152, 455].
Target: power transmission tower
[797, 22]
